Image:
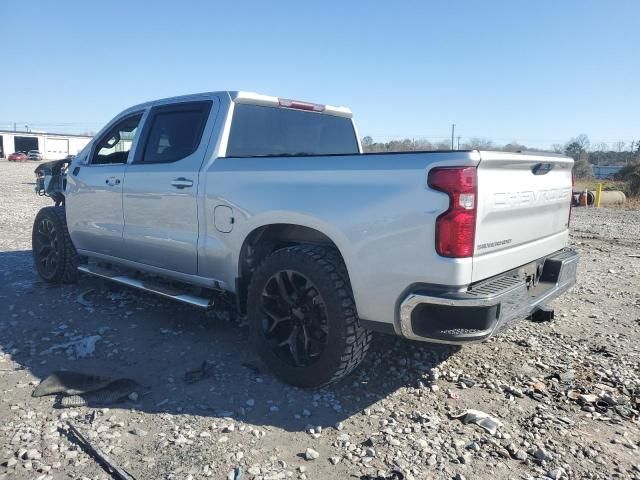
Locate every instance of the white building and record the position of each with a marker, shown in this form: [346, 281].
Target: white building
[53, 146]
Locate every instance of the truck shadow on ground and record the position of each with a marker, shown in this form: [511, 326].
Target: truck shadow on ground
[156, 342]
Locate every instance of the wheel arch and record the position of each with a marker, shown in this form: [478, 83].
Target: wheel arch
[263, 240]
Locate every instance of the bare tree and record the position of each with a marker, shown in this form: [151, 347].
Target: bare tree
[582, 140]
[443, 145]
[582, 167]
[422, 144]
[514, 147]
[477, 143]
[619, 146]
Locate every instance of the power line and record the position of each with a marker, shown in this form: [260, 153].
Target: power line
[424, 136]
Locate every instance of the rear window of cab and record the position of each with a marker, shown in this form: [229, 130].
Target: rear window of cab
[261, 131]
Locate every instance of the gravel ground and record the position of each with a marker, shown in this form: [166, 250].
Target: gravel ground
[565, 393]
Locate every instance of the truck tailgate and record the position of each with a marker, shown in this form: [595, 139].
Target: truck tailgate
[522, 212]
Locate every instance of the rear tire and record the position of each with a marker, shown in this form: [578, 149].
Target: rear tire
[311, 335]
[54, 255]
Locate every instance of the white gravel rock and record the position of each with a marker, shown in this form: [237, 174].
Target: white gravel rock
[311, 454]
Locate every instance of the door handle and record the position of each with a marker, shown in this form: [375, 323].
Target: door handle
[111, 181]
[181, 183]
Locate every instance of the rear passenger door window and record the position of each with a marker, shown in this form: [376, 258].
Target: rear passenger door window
[173, 132]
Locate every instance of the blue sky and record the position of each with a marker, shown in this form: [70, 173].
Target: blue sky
[537, 72]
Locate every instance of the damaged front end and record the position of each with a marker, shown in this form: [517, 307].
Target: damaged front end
[51, 180]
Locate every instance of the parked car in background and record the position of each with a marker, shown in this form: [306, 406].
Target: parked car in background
[18, 157]
[35, 155]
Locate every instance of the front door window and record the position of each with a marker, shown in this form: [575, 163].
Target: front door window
[114, 146]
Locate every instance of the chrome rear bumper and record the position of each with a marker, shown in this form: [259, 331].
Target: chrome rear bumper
[485, 308]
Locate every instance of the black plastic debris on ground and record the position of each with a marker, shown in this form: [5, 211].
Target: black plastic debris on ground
[76, 389]
[198, 374]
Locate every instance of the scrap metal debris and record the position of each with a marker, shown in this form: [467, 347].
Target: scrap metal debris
[115, 392]
[70, 383]
[75, 389]
[83, 301]
[235, 474]
[200, 373]
[482, 419]
[603, 350]
[81, 348]
[100, 456]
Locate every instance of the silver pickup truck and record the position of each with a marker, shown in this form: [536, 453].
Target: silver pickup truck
[272, 201]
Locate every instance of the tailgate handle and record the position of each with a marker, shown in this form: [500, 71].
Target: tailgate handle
[542, 168]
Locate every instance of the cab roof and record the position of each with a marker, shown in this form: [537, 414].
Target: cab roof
[255, 99]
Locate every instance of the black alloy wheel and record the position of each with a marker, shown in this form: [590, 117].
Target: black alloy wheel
[54, 255]
[295, 319]
[46, 248]
[303, 318]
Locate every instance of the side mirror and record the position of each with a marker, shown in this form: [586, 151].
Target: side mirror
[112, 141]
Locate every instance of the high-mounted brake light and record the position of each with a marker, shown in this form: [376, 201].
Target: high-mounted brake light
[312, 107]
[456, 228]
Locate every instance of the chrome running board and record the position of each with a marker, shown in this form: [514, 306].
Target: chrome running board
[162, 290]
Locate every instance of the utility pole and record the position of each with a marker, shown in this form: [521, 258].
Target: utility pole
[458, 148]
[14, 127]
[453, 132]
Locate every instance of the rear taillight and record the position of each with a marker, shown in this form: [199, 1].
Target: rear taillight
[456, 228]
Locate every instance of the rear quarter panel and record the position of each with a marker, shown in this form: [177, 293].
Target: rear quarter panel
[377, 209]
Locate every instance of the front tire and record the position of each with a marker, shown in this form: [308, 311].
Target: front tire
[303, 316]
[54, 255]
